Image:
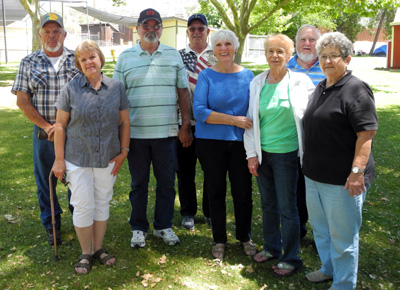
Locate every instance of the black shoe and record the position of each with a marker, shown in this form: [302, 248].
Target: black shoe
[50, 239]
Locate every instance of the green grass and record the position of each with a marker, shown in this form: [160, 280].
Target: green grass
[27, 262]
[8, 73]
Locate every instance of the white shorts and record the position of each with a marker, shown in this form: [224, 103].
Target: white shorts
[92, 190]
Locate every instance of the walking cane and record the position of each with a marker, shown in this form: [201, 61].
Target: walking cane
[53, 220]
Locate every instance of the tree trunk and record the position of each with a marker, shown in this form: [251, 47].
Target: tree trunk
[33, 9]
[239, 53]
[371, 52]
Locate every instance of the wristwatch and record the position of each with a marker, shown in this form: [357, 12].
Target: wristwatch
[356, 170]
[127, 149]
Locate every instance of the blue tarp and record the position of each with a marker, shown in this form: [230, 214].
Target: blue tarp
[381, 50]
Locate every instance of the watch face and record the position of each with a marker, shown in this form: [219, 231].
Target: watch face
[355, 169]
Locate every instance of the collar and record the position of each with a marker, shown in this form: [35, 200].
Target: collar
[159, 49]
[66, 53]
[207, 49]
[83, 82]
[344, 79]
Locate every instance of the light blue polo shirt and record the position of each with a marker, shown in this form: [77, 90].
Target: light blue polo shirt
[151, 83]
[314, 73]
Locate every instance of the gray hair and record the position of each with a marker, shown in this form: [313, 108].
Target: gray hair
[289, 44]
[224, 35]
[337, 40]
[309, 26]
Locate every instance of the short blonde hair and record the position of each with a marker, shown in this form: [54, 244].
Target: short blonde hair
[88, 45]
[289, 44]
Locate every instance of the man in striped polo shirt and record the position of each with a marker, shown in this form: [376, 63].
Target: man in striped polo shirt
[306, 61]
[153, 75]
[198, 55]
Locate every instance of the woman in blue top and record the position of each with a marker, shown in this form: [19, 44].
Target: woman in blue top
[278, 99]
[220, 104]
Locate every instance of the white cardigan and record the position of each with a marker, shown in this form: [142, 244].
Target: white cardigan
[300, 91]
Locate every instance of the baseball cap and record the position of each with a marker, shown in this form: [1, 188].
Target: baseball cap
[51, 17]
[148, 14]
[197, 16]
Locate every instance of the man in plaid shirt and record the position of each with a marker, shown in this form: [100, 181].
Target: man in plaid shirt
[198, 55]
[40, 78]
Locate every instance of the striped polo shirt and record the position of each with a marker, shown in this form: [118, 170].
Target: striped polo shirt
[315, 73]
[151, 83]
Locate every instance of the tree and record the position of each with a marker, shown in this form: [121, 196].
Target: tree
[245, 16]
[32, 7]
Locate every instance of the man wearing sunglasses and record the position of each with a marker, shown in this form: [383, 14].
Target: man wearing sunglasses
[153, 75]
[196, 57]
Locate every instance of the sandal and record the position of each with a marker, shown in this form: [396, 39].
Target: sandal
[263, 256]
[87, 266]
[218, 251]
[103, 260]
[289, 269]
[249, 248]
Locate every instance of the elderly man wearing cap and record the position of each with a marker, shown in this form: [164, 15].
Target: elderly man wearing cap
[153, 75]
[196, 57]
[40, 78]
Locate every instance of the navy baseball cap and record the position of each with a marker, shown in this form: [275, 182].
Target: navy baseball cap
[148, 14]
[197, 16]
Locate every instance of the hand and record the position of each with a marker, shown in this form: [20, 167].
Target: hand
[185, 136]
[252, 164]
[355, 184]
[119, 160]
[59, 169]
[50, 132]
[243, 122]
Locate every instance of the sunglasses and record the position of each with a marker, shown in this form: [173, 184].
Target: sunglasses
[200, 29]
[155, 27]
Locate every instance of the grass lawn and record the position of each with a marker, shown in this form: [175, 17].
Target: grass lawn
[27, 262]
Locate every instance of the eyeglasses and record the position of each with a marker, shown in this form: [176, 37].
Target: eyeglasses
[332, 57]
[155, 27]
[200, 28]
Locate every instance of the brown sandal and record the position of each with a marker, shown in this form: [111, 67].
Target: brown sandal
[218, 251]
[249, 248]
[103, 260]
[87, 266]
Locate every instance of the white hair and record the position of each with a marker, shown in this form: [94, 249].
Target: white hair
[224, 35]
[307, 26]
[337, 40]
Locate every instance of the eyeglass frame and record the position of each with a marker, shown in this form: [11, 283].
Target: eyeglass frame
[155, 27]
[332, 57]
[199, 28]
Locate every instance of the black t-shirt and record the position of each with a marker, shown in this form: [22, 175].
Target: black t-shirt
[331, 121]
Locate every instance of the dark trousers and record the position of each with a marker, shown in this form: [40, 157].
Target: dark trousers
[186, 173]
[301, 203]
[162, 154]
[217, 158]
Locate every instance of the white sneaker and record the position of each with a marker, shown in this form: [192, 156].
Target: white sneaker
[138, 239]
[168, 236]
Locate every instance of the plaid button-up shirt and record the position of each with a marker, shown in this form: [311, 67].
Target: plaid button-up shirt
[38, 78]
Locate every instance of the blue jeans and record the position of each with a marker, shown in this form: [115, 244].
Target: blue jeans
[43, 159]
[162, 154]
[335, 218]
[277, 182]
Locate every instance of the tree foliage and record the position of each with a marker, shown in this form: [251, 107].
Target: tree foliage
[265, 16]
